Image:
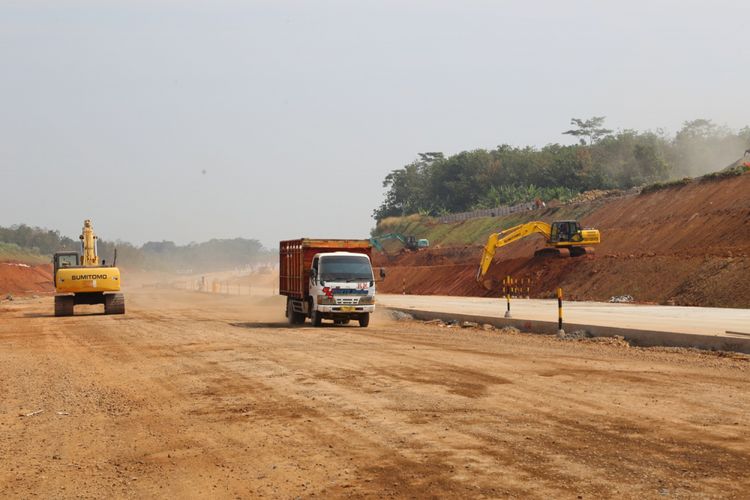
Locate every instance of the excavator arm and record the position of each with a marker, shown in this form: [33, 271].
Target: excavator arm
[497, 240]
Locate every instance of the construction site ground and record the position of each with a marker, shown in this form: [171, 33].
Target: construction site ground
[192, 394]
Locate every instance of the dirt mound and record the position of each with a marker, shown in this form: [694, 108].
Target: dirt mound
[22, 279]
[686, 245]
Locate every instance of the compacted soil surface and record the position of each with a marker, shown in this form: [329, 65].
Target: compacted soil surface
[198, 395]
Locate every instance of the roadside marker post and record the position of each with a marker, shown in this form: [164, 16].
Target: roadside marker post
[507, 290]
[559, 312]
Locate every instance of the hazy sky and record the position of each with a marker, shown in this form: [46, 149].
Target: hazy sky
[298, 110]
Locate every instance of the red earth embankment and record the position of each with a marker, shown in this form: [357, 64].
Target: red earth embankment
[685, 245]
[22, 279]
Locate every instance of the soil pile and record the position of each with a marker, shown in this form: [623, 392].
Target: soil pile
[22, 279]
[685, 245]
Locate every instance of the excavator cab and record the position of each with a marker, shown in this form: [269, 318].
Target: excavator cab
[565, 230]
[64, 259]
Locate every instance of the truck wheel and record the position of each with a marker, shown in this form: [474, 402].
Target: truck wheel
[364, 320]
[114, 303]
[315, 318]
[64, 305]
[294, 318]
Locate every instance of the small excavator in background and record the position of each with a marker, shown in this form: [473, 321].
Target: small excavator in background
[409, 242]
[81, 279]
[564, 238]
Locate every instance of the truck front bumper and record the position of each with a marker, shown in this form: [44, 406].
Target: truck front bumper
[340, 309]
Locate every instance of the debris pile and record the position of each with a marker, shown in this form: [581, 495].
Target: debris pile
[621, 299]
[574, 335]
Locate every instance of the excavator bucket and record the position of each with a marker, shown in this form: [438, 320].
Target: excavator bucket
[490, 284]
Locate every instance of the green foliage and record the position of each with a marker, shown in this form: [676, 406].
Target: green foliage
[513, 195]
[436, 185]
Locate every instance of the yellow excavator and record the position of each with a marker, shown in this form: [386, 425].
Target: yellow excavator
[81, 279]
[564, 238]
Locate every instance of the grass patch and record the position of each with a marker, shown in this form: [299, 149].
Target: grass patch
[724, 174]
[658, 186]
[10, 252]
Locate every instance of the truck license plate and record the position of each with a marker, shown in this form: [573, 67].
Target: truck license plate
[347, 309]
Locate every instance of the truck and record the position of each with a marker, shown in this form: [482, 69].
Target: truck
[327, 279]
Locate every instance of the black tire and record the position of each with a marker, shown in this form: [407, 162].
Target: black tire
[315, 318]
[294, 318]
[64, 305]
[364, 320]
[114, 303]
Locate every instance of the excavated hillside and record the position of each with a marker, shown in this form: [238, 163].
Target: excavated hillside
[23, 279]
[687, 244]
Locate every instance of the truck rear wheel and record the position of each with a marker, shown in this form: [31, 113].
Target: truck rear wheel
[64, 305]
[364, 320]
[295, 318]
[114, 303]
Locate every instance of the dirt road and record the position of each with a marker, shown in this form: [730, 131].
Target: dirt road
[195, 395]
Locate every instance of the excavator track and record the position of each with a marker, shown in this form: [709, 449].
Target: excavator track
[548, 253]
[64, 305]
[114, 303]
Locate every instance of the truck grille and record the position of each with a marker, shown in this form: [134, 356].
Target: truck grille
[347, 301]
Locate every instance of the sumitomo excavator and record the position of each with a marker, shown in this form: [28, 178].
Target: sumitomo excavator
[81, 279]
[565, 238]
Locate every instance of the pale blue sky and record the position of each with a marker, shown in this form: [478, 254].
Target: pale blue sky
[298, 110]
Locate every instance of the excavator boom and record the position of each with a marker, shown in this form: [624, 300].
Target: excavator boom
[497, 240]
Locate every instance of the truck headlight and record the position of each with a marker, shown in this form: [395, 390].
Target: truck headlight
[324, 300]
[367, 300]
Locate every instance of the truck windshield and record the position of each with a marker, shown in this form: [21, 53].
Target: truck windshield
[345, 268]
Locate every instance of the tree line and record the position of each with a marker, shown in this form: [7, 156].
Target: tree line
[435, 184]
[212, 255]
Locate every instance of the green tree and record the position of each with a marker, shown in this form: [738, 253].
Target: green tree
[593, 129]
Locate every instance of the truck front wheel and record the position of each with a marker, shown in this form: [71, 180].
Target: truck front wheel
[315, 318]
[364, 320]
